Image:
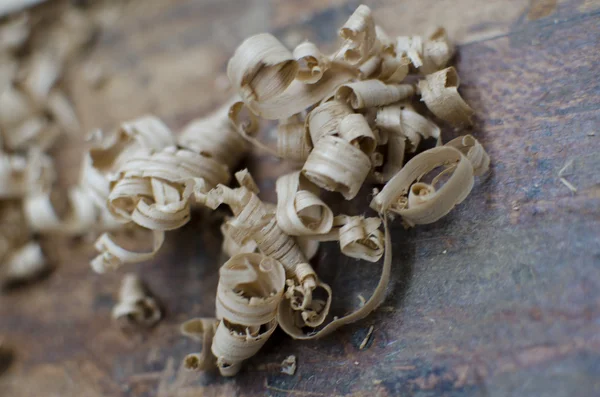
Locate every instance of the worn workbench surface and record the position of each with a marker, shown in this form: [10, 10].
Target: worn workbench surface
[501, 297]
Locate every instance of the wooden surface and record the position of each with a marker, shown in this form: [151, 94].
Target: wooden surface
[501, 297]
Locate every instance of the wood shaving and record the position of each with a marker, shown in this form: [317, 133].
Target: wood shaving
[370, 93]
[250, 288]
[292, 141]
[35, 52]
[299, 209]
[136, 308]
[288, 366]
[200, 330]
[234, 241]
[363, 344]
[421, 203]
[439, 91]
[337, 165]
[361, 300]
[562, 179]
[427, 55]
[569, 185]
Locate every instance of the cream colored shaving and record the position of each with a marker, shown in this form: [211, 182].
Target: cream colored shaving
[439, 91]
[136, 308]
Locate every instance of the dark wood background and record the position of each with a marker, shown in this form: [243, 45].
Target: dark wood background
[501, 297]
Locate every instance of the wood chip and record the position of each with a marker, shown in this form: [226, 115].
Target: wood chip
[288, 366]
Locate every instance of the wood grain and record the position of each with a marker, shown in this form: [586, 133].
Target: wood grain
[501, 297]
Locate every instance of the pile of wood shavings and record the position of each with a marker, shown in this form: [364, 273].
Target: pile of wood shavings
[346, 119]
[36, 49]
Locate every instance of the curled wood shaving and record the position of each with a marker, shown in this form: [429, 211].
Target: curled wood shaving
[109, 152]
[386, 43]
[325, 119]
[249, 291]
[405, 121]
[437, 51]
[292, 141]
[337, 165]
[359, 237]
[427, 204]
[112, 255]
[355, 129]
[473, 150]
[308, 245]
[200, 330]
[359, 36]
[389, 164]
[153, 188]
[236, 242]
[439, 91]
[394, 66]
[248, 125]
[312, 63]
[136, 308]
[429, 55]
[263, 72]
[369, 93]
[299, 209]
[370, 67]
